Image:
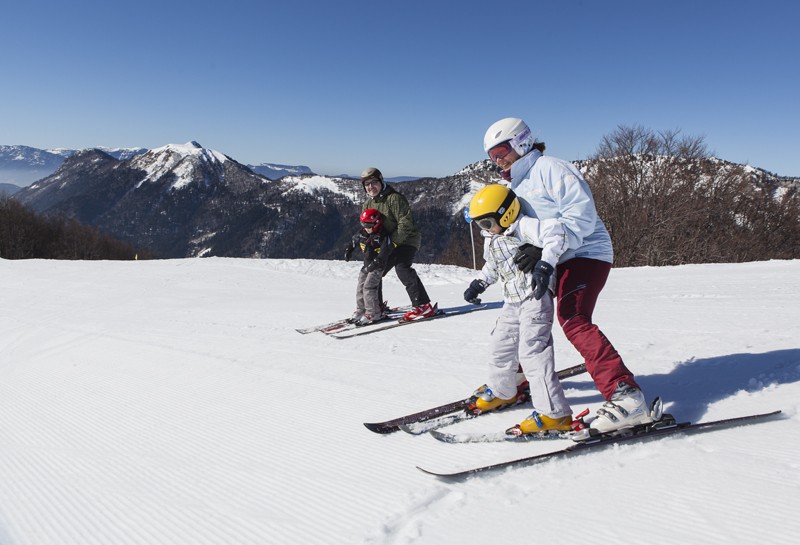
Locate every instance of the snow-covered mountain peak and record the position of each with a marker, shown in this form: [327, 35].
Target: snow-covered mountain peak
[190, 149]
[182, 160]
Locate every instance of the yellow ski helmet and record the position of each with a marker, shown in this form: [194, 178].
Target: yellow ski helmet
[495, 202]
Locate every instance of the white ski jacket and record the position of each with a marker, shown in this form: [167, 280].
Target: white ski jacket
[550, 188]
[499, 252]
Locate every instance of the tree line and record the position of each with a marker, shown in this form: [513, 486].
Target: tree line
[27, 235]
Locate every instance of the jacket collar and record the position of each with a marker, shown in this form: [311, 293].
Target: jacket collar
[387, 190]
[523, 165]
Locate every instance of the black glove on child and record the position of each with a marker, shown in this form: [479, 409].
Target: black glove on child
[541, 278]
[374, 265]
[476, 287]
[348, 251]
[527, 257]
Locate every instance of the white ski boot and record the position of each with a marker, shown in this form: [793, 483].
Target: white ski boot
[626, 408]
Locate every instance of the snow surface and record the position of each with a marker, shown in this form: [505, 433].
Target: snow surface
[172, 402]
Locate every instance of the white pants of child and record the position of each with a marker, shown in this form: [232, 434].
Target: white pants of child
[368, 298]
[523, 336]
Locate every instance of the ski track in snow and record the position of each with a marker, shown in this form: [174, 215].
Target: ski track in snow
[172, 402]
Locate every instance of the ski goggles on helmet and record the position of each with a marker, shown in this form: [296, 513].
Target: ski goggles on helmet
[500, 151]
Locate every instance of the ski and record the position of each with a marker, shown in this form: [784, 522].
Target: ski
[434, 414]
[666, 426]
[384, 325]
[497, 437]
[419, 428]
[390, 317]
[331, 325]
[345, 323]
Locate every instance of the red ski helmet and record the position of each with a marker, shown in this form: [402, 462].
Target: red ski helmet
[372, 218]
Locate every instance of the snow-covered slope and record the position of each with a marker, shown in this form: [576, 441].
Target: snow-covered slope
[274, 171]
[171, 402]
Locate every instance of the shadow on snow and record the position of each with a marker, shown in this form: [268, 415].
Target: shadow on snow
[691, 387]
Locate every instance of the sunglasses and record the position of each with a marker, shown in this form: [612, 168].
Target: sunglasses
[500, 151]
[368, 224]
[372, 181]
[486, 223]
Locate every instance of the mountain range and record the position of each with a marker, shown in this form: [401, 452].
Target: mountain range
[20, 166]
[183, 200]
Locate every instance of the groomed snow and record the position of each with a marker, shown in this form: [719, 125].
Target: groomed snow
[172, 403]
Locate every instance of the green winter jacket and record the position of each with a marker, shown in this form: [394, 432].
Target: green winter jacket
[398, 220]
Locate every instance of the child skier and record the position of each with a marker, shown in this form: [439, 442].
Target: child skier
[522, 336]
[377, 247]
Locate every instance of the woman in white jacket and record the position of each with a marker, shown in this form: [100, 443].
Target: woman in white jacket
[553, 189]
[522, 335]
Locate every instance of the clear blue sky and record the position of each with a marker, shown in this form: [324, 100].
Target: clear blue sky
[409, 87]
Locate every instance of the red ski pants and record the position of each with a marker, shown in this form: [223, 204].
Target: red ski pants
[580, 281]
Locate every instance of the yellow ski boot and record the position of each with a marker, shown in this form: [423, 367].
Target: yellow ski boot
[483, 400]
[542, 425]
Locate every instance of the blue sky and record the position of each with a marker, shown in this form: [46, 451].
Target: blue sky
[409, 87]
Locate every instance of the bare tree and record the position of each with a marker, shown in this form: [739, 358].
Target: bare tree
[665, 201]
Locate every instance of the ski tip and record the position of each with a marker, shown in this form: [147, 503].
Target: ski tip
[444, 476]
[443, 436]
[762, 415]
[453, 476]
[380, 428]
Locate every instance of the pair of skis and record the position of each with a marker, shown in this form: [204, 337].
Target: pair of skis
[343, 329]
[345, 324]
[431, 419]
[446, 414]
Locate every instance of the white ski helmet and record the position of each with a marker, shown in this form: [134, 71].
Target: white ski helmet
[511, 130]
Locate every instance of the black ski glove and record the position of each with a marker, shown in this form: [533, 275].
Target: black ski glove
[375, 264]
[476, 287]
[348, 251]
[541, 278]
[527, 257]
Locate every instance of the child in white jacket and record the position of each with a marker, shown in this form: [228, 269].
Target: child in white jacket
[522, 336]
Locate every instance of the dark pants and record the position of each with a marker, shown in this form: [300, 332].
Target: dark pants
[580, 281]
[401, 259]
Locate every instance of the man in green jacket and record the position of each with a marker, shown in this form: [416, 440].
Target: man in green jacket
[399, 223]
